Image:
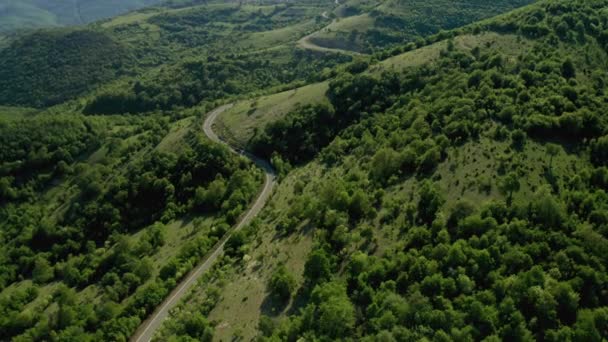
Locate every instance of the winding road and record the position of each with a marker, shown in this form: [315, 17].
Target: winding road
[147, 329]
[306, 42]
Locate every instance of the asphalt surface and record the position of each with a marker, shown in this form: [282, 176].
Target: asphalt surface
[149, 327]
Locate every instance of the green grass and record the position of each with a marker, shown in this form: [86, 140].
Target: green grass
[244, 295]
[366, 26]
[243, 298]
[240, 123]
[506, 44]
[360, 23]
[16, 113]
[272, 38]
[139, 17]
[244, 289]
[337, 35]
[175, 139]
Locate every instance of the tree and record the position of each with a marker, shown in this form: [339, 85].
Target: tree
[591, 325]
[335, 313]
[567, 302]
[360, 205]
[461, 210]
[384, 164]
[552, 151]
[318, 267]
[518, 139]
[282, 284]
[599, 151]
[42, 272]
[429, 160]
[508, 185]
[211, 198]
[568, 69]
[547, 211]
[266, 325]
[197, 327]
[430, 202]
[235, 243]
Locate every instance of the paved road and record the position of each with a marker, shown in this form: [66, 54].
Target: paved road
[147, 329]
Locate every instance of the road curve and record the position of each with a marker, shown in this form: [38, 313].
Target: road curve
[147, 329]
[306, 43]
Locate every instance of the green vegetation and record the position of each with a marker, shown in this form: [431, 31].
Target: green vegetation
[369, 26]
[192, 82]
[282, 284]
[246, 118]
[50, 67]
[458, 199]
[163, 58]
[450, 187]
[96, 229]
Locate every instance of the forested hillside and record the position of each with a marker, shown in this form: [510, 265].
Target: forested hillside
[49, 67]
[101, 216]
[368, 26]
[167, 57]
[460, 199]
[440, 178]
[209, 47]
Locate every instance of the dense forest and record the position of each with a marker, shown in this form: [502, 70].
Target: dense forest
[50, 67]
[449, 187]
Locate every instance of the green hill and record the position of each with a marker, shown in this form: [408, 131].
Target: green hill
[31, 14]
[449, 188]
[458, 199]
[190, 34]
[152, 47]
[366, 26]
[49, 67]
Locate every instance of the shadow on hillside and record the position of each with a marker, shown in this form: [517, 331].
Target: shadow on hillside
[303, 229]
[299, 300]
[273, 306]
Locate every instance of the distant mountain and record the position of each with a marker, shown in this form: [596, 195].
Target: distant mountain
[28, 14]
